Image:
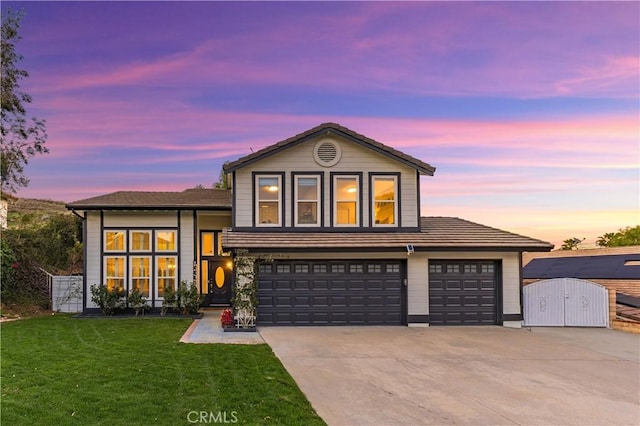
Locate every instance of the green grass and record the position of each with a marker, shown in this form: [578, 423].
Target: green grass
[59, 370]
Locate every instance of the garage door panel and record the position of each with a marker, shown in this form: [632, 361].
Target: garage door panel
[330, 293]
[462, 292]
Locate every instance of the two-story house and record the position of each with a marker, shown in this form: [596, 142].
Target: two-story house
[339, 214]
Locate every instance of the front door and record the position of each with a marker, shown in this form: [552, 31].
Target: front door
[217, 277]
[216, 270]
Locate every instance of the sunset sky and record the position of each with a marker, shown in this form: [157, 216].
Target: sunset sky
[529, 111]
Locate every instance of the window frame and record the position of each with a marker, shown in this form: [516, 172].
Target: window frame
[157, 248]
[124, 276]
[105, 239]
[148, 278]
[257, 200]
[131, 240]
[335, 200]
[396, 201]
[296, 199]
[157, 277]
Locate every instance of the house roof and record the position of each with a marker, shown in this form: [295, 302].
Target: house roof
[613, 267]
[328, 129]
[206, 199]
[441, 233]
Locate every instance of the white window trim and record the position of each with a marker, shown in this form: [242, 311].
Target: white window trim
[105, 277]
[334, 185]
[256, 208]
[175, 241]
[149, 233]
[157, 277]
[373, 202]
[131, 277]
[104, 239]
[296, 201]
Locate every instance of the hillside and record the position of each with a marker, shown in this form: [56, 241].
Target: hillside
[25, 211]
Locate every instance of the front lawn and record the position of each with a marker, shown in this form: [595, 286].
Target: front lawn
[59, 370]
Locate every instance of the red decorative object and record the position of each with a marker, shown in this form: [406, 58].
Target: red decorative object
[226, 318]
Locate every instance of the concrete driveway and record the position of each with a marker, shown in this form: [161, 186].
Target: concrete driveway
[464, 375]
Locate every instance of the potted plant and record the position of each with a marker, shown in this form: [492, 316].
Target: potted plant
[226, 318]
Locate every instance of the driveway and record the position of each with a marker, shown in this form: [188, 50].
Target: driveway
[463, 375]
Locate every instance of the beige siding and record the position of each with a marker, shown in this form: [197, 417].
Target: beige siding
[418, 275]
[142, 219]
[355, 158]
[93, 258]
[186, 247]
[214, 221]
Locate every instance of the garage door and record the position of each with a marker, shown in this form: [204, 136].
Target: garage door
[331, 293]
[462, 292]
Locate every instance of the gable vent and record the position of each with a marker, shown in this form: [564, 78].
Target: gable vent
[327, 152]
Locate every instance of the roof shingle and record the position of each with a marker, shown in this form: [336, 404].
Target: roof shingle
[216, 199]
[435, 233]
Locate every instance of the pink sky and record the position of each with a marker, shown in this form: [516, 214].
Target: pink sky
[529, 111]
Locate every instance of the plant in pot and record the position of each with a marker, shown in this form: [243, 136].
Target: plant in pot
[226, 318]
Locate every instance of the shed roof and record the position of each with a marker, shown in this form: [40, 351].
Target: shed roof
[613, 267]
[206, 199]
[336, 129]
[437, 233]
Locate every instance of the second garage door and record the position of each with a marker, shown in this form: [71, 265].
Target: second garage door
[331, 293]
[463, 292]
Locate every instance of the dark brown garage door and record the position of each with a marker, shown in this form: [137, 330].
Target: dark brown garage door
[331, 293]
[462, 292]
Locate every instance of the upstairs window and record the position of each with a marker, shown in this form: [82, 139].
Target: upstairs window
[384, 200]
[140, 240]
[268, 199]
[346, 205]
[307, 200]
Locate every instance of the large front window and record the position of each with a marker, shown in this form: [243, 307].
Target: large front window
[165, 274]
[307, 200]
[346, 205]
[140, 274]
[268, 199]
[114, 271]
[385, 206]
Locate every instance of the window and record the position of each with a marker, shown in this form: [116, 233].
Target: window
[356, 268]
[487, 269]
[140, 240]
[346, 208]
[337, 269]
[453, 269]
[140, 274]
[115, 241]
[320, 269]
[264, 269]
[283, 269]
[166, 272]
[307, 200]
[268, 190]
[165, 240]
[385, 207]
[437, 269]
[208, 244]
[114, 271]
[301, 269]
[393, 269]
[470, 269]
[374, 269]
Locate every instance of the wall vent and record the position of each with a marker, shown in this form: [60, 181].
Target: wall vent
[327, 152]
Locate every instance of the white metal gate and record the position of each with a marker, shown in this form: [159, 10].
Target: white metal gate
[565, 302]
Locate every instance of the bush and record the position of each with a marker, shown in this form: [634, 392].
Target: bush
[108, 300]
[137, 301]
[189, 298]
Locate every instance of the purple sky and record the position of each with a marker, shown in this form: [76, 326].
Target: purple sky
[529, 111]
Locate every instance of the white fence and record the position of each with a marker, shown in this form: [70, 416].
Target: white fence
[66, 293]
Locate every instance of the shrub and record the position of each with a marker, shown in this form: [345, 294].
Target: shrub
[108, 300]
[189, 298]
[138, 302]
[169, 301]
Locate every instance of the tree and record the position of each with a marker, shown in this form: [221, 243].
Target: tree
[22, 137]
[571, 244]
[223, 179]
[624, 237]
